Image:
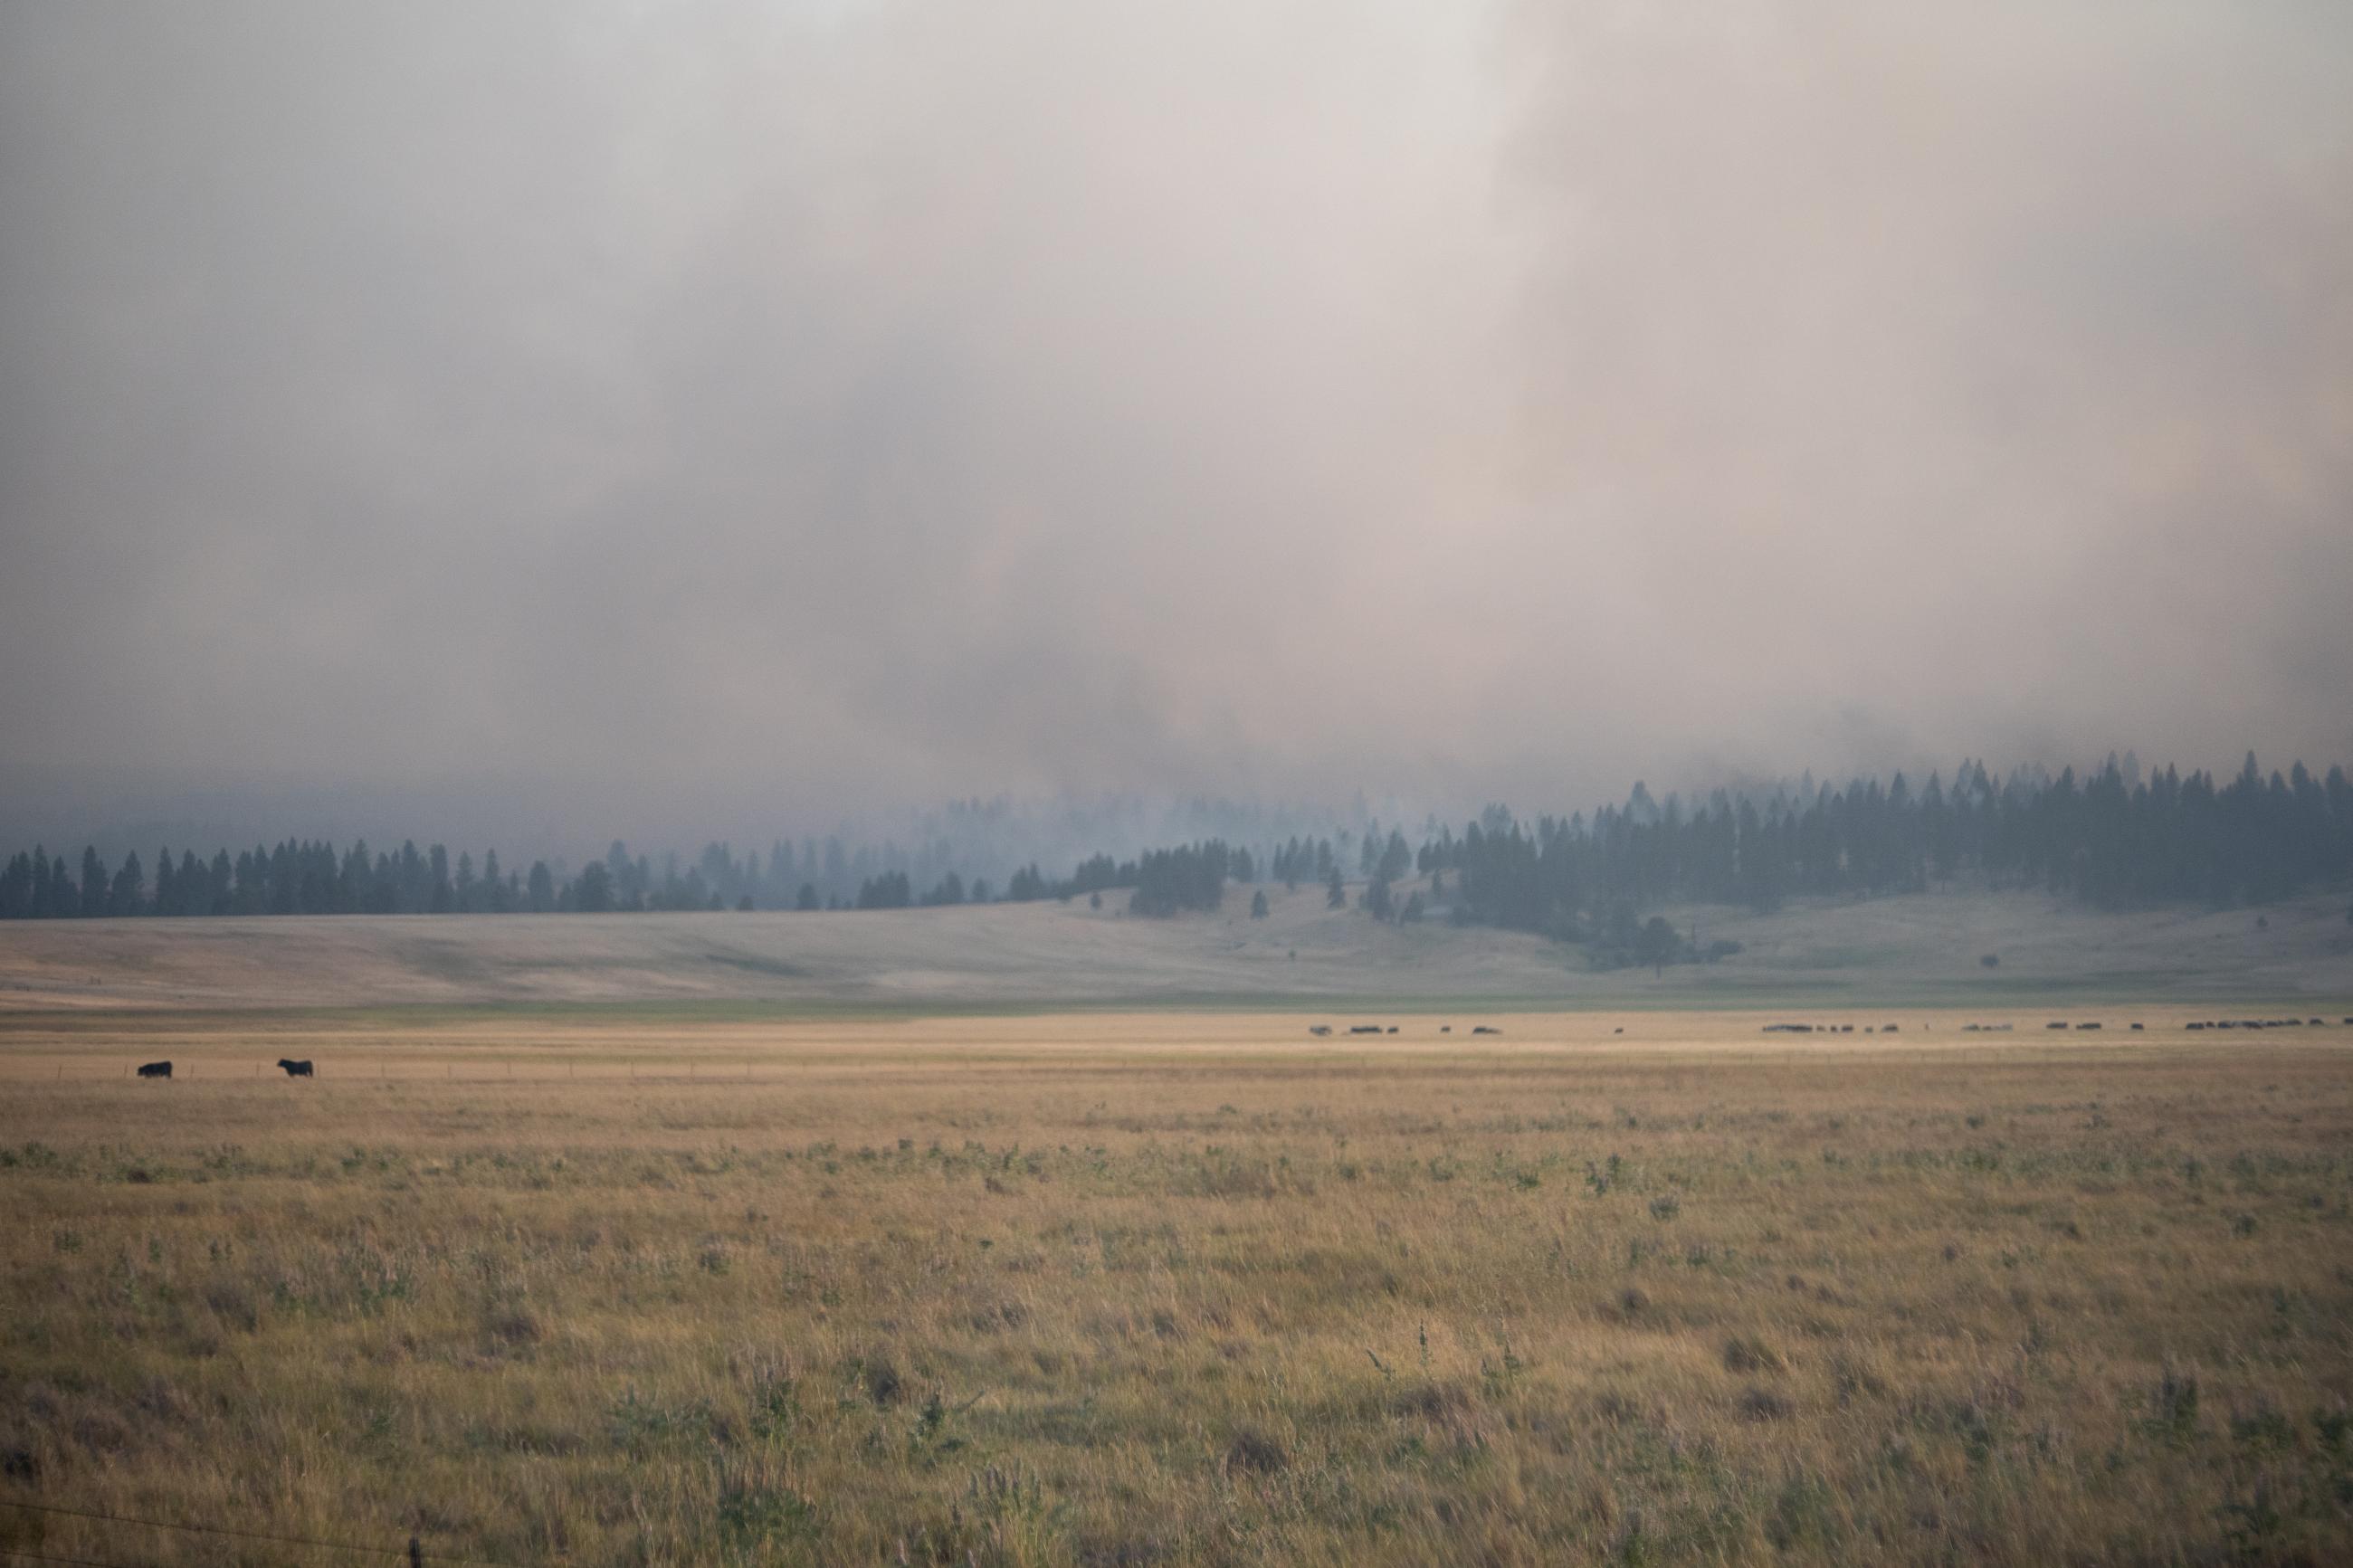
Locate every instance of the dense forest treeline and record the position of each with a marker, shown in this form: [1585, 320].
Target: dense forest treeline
[2113, 839]
[314, 877]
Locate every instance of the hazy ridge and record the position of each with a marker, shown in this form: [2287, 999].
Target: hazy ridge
[1924, 947]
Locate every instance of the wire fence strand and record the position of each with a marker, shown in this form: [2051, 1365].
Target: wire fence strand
[395, 1551]
[22, 1555]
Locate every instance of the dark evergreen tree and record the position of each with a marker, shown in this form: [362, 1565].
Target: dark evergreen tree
[591, 894]
[127, 896]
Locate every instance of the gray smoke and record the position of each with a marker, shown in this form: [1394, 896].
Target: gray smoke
[546, 421]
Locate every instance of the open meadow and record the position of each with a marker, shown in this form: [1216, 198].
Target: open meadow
[1177, 1287]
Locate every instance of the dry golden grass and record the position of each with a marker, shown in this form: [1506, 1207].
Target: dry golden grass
[1178, 1288]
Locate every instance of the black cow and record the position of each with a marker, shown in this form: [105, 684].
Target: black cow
[295, 1070]
[155, 1069]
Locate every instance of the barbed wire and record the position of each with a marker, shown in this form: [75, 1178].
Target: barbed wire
[24, 1555]
[244, 1534]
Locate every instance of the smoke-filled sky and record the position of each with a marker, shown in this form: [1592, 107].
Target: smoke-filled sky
[591, 417]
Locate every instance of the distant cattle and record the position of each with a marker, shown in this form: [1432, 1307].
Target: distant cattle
[1484, 1029]
[295, 1068]
[1319, 1028]
[157, 1070]
[2136, 1026]
[1364, 1028]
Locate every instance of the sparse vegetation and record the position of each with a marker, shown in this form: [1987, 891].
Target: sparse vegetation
[1681, 1301]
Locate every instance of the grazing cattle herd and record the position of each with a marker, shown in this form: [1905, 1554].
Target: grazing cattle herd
[2081, 1025]
[305, 1069]
[292, 1068]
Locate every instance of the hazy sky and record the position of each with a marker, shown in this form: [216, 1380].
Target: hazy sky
[647, 414]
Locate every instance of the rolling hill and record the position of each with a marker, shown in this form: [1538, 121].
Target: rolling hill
[1925, 947]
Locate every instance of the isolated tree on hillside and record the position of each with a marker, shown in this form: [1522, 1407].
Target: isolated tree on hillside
[1257, 905]
[1656, 944]
[1335, 892]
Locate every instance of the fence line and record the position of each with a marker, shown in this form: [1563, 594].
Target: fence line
[20, 1554]
[414, 1552]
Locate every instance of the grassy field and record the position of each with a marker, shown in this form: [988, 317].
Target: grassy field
[1176, 1288]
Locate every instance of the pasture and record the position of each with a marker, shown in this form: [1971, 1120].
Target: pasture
[1177, 1288]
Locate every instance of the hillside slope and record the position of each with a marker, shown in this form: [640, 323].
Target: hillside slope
[1925, 947]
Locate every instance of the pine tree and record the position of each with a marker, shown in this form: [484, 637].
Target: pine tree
[128, 891]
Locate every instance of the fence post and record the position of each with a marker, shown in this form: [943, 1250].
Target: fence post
[416, 1552]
